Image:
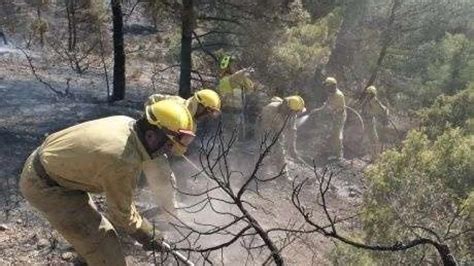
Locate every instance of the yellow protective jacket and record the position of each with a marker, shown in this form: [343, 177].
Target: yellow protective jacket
[371, 111]
[230, 88]
[373, 108]
[99, 156]
[191, 103]
[336, 104]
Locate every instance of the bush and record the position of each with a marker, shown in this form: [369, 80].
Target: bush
[424, 185]
[444, 66]
[448, 112]
[343, 254]
[299, 51]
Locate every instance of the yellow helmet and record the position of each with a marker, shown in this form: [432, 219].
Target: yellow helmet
[169, 115]
[330, 81]
[209, 99]
[296, 103]
[371, 90]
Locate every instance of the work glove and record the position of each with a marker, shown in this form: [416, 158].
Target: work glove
[150, 240]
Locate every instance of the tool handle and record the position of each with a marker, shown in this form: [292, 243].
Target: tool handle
[177, 254]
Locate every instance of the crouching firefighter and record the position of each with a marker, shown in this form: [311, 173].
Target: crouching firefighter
[202, 105]
[103, 156]
[279, 116]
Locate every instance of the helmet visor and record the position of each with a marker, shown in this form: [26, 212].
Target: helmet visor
[185, 137]
[182, 137]
[181, 141]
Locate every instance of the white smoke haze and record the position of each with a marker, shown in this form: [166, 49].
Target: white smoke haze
[301, 120]
[272, 207]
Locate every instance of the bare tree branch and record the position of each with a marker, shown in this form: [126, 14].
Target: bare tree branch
[443, 250]
[33, 70]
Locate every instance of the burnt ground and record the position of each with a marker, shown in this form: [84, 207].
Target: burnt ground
[29, 111]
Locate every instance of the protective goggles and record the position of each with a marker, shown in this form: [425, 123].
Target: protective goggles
[182, 137]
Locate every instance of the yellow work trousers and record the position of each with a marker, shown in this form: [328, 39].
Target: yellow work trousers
[74, 215]
[333, 147]
[373, 138]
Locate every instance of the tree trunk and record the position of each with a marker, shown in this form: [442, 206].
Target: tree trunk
[187, 20]
[40, 25]
[71, 23]
[73, 26]
[118, 92]
[104, 63]
[387, 36]
[348, 41]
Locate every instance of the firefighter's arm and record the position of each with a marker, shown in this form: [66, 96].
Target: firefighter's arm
[381, 111]
[315, 110]
[241, 79]
[119, 186]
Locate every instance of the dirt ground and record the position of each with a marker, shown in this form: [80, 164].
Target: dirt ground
[29, 111]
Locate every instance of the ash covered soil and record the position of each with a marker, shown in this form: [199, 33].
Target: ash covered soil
[29, 111]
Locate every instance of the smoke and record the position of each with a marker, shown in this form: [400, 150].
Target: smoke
[191, 178]
[301, 120]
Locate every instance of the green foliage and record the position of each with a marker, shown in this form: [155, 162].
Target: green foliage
[451, 69]
[425, 184]
[343, 255]
[433, 68]
[301, 49]
[469, 207]
[426, 187]
[449, 111]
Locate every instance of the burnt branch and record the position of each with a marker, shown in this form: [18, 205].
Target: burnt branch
[331, 230]
[211, 18]
[227, 202]
[198, 39]
[78, 59]
[33, 71]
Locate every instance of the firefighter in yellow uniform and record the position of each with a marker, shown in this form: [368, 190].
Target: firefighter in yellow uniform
[234, 89]
[204, 103]
[334, 112]
[372, 111]
[103, 156]
[280, 115]
[230, 88]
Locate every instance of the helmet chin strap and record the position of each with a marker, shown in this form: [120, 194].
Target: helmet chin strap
[201, 111]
